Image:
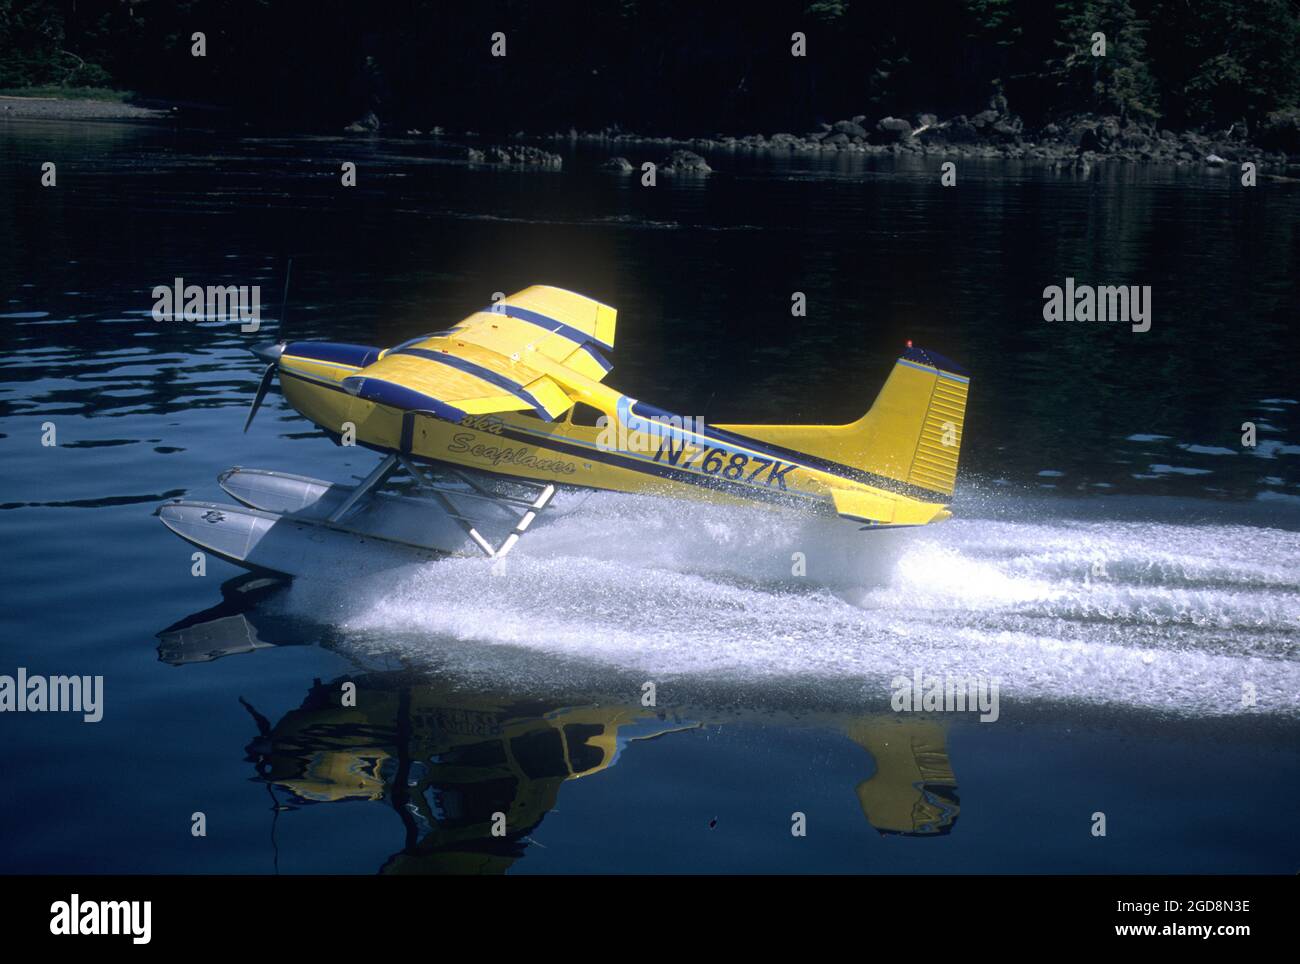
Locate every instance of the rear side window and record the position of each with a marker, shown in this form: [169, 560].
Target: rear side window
[584, 414]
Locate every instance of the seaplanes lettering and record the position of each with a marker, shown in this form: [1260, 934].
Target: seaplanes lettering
[521, 456]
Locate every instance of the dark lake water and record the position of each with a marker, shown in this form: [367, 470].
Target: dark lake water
[1118, 561]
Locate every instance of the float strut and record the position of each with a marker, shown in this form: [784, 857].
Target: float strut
[376, 477]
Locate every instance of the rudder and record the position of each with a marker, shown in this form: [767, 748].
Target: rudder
[913, 432]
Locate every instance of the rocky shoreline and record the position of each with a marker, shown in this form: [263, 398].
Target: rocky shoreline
[995, 134]
[514, 154]
[1077, 143]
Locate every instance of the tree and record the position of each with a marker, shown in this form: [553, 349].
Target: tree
[1118, 82]
[1223, 60]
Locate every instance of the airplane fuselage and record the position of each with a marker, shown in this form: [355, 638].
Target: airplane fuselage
[638, 449]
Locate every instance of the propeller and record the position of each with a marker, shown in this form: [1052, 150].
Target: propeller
[270, 352]
[267, 377]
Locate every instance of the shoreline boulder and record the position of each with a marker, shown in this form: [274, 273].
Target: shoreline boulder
[684, 162]
[892, 130]
[618, 165]
[367, 124]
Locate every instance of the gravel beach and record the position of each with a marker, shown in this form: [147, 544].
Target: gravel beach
[58, 108]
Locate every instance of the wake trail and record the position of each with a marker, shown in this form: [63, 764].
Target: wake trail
[1137, 613]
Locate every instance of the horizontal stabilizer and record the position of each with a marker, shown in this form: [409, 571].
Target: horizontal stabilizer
[883, 510]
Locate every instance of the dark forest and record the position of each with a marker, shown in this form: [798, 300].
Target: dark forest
[668, 66]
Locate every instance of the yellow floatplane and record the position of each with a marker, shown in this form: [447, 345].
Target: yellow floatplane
[514, 395]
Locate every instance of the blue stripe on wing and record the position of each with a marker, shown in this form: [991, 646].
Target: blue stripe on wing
[506, 384]
[547, 322]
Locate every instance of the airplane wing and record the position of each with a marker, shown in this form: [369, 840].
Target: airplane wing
[511, 356]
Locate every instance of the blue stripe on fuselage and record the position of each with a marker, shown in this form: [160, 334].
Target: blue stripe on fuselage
[336, 352]
[636, 413]
[399, 396]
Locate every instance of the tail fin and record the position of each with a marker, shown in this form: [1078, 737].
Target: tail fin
[912, 433]
[911, 436]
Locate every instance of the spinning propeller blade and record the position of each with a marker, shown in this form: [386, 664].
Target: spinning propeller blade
[262, 387]
[270, 352]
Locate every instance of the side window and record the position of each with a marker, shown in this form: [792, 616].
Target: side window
[584, 414]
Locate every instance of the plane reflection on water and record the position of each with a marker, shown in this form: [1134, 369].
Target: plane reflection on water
[471, 775]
